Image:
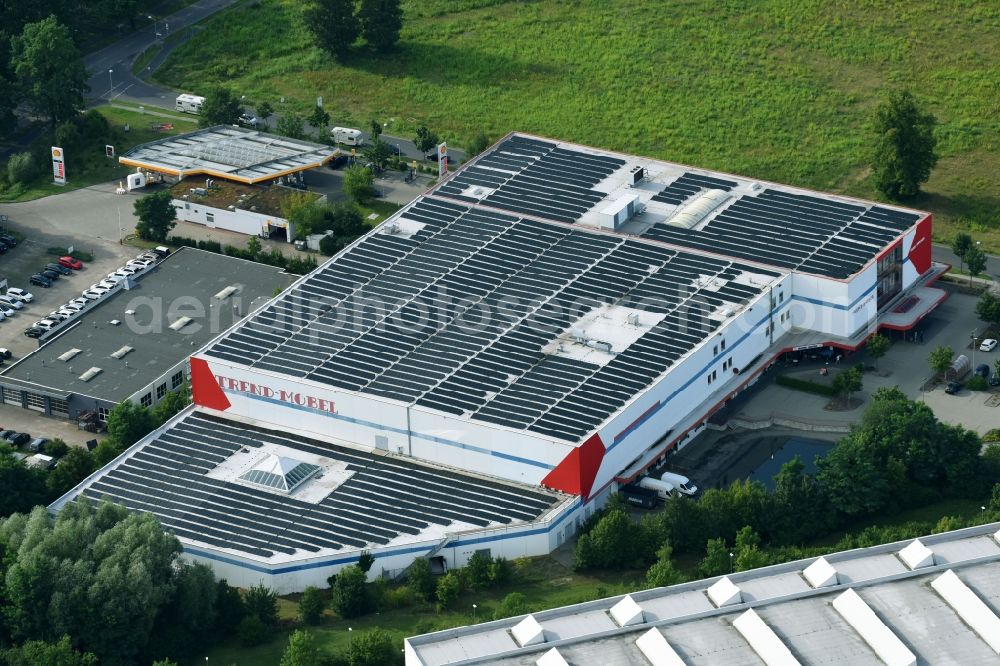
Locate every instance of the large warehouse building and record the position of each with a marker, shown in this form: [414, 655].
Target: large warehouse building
[546, 322]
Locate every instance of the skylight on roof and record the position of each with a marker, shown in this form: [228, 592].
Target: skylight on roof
[279, 473]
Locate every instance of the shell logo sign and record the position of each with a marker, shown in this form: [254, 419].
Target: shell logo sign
[58, 166]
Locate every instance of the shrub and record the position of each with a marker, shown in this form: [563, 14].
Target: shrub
[262, 603]
[311, 605]
[252, 631]
[513, 604]
[448, 589]
[399, 597]
[477, 571]
[500, 572]
[21, 168]
[806, 385]
[977, 383]
[420, 579]
[351, 596]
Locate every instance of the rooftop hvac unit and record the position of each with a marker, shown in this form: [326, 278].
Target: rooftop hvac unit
[619, 211]
[637, 174]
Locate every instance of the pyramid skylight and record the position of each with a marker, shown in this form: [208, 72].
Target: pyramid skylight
[279, 473]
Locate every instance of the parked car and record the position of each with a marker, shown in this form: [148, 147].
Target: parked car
[142, 264]
[4, 352]
[161, 251]
[125, 271]
[49, 273]
[8, 239]
[75, 308]
[8, 302]
[37, 444]
[20, 294]
[995, 380]
[40, 281]
[989, 344]
[248, 120]
[93, 295]
[6, 310]
[57, 315]
[70, 262]
[34, 332]
[4, 434]
[19, 438]
[953, 388]
[59, 268]
[107, 284]
[79, 300]
[2, 316]
[46, 324]
[112, 279]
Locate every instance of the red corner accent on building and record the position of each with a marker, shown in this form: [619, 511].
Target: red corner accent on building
[205, 390]
[576, 473]
[920, 250]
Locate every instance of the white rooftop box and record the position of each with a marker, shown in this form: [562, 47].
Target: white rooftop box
[626, 612]
[917, 555]
[619, 211]
[528, 632]
[820, 573]
[725, 593]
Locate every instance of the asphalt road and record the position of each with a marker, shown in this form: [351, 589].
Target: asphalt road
[943, 254]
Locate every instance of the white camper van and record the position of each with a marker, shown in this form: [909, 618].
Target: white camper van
[347, 136]
[681, 483]
[189, 103]
[663, 489]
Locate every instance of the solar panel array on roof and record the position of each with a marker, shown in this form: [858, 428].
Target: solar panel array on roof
[797, 231]
[535, 177]
[690, 184]
[385, 498]
[455, 318]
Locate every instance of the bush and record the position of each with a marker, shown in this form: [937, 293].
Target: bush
[399, 597]
[513, 604]
[21, 168]
[76, 254]
[350, 593]
[311, 605]
[806, 385]
[500, 572]
[56, 447]
[477, 571]
[252, 631]
[420, 579]
[372, 648]
[448, 588]
[977, 383]
[261, 602]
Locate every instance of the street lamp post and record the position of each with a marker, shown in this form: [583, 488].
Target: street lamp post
[731, 565]
[975, 340]
[474, 612]
[111, 82]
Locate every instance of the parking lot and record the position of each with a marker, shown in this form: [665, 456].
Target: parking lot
[19, 263]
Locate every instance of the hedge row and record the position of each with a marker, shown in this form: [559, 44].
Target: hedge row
[273, 257]
[806, 385]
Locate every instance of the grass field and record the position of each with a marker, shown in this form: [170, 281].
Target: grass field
[94, 167]
[778, 89]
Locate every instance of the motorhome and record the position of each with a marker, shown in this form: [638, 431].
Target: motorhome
[189, 103]
[347, 136]
[680, 483]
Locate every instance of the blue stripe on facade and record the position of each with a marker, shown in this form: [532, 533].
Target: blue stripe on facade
[400, 431]
[350, 559]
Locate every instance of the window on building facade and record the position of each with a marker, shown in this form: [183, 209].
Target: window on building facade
[146, 400]
[102, 414]
[161, 391]
[177, 379]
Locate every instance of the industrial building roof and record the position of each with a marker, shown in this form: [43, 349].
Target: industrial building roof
[931, 601]
[184, 284]
[196, 477]
[506, 320]
[236, 153]
[701, 210]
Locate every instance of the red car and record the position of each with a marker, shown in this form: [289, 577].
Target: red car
[70, 262]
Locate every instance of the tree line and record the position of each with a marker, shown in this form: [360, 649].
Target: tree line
[899, 456]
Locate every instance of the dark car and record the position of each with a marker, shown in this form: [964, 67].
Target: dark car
[34, 332]
[19, 438]
[953, 388]
[49, 273]
[339, 161]
[4, 434]
[62, 270]
[8, 239]
[40, 280]
[995, 380]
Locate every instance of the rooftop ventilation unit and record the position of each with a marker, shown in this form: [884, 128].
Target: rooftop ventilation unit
[690, 214]
[180, 323]
[636, 175]
[121, 352]
[115, 322]
[226, 293]
[90, 374]
[619, 211]
[65, 356]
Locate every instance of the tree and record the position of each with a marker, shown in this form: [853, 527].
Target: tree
[848, 382]
[264, 111]
[376, 128]
[60, 653]
[420, 580]
[21, 168]
[365, 561]
[378, 153]
[611, 544]
[477, 570]
[449, 587]
[186, 622]
[23, 486]
[425, 139]
[8, 102]
[333, 25]
[48, 67]
[478, 144]
[56, 447]
[253, 247]
[350, 593]
[852, 481]
[975, 259]
[798, 503]
[663, 572]
[221, 107]
[311, 605]
[747, 551]
[291, 125]
[251, 631]
[172, 403]
[261, 602]
[229, 608]
[940, 359]
[319, 119]
[513, 604]
[358, 183]
[129, 422]
[717, 560]
[988, 308]
[381, 21]
[302, 650]
[904, 151]
[372, 648]
[960, 245]
[500, 572]
[74, 467]
[878, 345]
[156, 216]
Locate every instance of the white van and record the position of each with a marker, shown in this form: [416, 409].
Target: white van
[681, 483]
[189, 103]
[663, 489]
[347, 136]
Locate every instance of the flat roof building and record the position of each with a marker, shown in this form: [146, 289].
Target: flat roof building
[537, 317]
[932, 600]
[128, 346]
